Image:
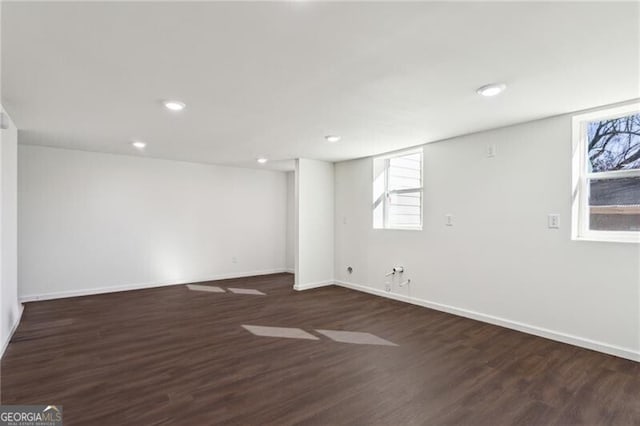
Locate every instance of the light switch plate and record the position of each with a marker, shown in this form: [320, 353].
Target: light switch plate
[553, 221]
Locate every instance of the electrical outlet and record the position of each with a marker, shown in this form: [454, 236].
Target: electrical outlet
[387, 287]
[553, 221]
[234, 259]
[491, 150]
[448, 219]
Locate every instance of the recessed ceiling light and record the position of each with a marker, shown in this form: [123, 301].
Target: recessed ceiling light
[332, 138]
[262, 160]
[174, 105]
[138, 144]
[491, 89]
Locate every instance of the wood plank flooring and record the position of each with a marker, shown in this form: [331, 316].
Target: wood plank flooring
[175, 356]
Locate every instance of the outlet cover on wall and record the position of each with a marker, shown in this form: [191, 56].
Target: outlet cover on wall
[448, 219]
[553, 221]
[491, 150]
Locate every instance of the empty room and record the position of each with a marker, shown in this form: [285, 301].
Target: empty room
[319, 212]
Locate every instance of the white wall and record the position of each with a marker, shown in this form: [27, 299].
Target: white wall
[499, 262]
[291, 222]
[91, 222]
[10, 309]
[314, 219]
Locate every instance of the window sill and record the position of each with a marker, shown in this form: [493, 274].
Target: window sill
[610, 237]
[397, 229]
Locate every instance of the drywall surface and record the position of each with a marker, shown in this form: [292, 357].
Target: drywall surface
[315, 227]
[10, 309]
[91, 222]
[498, 262]
[291, 222]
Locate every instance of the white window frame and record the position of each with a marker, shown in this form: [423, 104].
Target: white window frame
[581, 176]
[386, 195]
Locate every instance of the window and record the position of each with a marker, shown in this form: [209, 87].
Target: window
[397, 191]
[606, 175]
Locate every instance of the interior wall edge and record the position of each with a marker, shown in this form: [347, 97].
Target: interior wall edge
[558, 336]
[14, 326]
[10, 308]
[490, 130]
[151, 157]
[315, 228]
[309, 286]
[141, 286]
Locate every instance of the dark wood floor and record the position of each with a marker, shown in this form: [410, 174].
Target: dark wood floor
[174, 356]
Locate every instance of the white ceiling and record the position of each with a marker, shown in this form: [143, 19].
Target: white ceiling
[272, 79]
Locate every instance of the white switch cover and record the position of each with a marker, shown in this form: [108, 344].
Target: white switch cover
[448, 219]
[553, 221]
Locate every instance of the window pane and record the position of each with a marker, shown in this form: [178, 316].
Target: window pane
[399, 220]
[397, 182]
[392, 174]
[614, 144]
[405, 171]
[410, 199]
[404, 209]
[614, 204]
[411, 161]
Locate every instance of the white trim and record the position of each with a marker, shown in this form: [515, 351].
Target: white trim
[622, 352]
[309, 286]
[610, 113]
[609, 236]
[15, 325]
[140, 286]
[290, 270]
[616, 174]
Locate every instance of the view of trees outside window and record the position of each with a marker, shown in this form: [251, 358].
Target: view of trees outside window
[614, 144]
[614, 201]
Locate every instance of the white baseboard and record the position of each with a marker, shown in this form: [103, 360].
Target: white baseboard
[309, 286]
[14, 326]
[514, 325]
[290, 270]
[140, 286]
